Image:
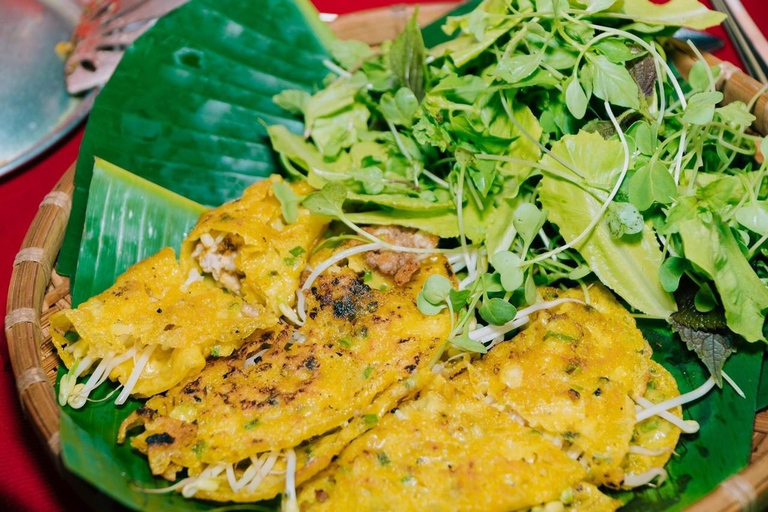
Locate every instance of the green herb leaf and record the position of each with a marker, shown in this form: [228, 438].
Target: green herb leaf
[670, 273]
[576, 99]
[754, 217]
[711, 246]
[459, 298]
[652, 183]
[612, 82]
[408, 57]
[328, 201]
[497, 311]
[289, 202]
[400, 109]
[701, 107]
[436, 289]
[507, 265]
[518, 67]
[528, 221]
[676, 13]
[464, 342]
[427, 307]
[630, 266]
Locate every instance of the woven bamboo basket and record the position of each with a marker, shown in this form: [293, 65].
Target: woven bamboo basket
[37, 292]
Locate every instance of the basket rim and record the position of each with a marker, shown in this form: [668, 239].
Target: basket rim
[33, 269]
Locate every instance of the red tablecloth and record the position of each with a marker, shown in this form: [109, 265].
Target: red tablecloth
[28, 481]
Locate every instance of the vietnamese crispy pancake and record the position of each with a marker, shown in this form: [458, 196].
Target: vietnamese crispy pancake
[357, 344]
[445, 450]
[151, 330]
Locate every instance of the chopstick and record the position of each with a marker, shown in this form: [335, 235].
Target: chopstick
[749, 42]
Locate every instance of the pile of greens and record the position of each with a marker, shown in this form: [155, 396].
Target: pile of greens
[549, 142]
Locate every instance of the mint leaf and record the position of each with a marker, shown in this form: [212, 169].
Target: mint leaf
[704, 333]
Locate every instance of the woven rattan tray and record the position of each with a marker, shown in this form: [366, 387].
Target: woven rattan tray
[37, 291]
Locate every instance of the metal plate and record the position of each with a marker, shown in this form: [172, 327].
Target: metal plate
[35, 109]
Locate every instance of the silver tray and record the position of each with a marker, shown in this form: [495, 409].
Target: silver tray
[35, 109]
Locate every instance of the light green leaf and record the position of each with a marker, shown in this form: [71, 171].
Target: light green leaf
[436, 289]
[698, 76]
[328, 201]
[292, 100]
[443, 224]
[466, 343]
[736, 112]
[576, 99]
[670, 273]
[401, 108]
[616, 50]
[427, 307]
[701, 107]
[289, 202]
[651, 184]
[613, 83]
[711, 246]
[676, 13]
[597, 5]
[754, 216]
[629, 266]
[528, 221]
[340, 131]
[516, 68]
[349, 53]
[497, 311]
[507, 265]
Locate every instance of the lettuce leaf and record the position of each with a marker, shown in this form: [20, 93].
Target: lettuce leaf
[629, 265]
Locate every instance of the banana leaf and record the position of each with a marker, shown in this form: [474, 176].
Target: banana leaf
[723, 445]
[186, 106]
[127, 219]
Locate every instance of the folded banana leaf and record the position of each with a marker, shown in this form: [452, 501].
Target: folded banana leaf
[723, 445]
[186, 106]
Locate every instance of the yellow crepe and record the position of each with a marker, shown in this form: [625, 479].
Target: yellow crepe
[357, 343]
[443, 451]
[152, 310]
[655, 433]
[572, 372]
[249, 248]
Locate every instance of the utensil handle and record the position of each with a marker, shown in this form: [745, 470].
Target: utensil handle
[732, 82]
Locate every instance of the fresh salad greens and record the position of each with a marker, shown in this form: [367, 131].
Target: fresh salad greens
[551, 141]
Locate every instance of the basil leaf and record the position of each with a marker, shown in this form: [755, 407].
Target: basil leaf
[613, 83]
